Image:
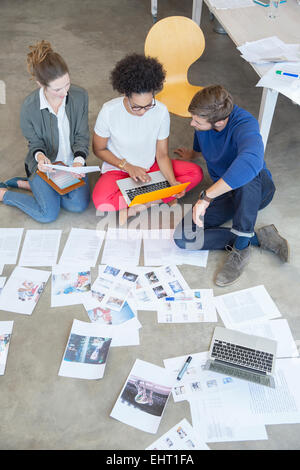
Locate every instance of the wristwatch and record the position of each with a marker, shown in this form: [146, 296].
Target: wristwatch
[202, 195]
[123, 163]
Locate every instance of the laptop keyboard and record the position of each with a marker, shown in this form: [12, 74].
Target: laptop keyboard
[131, 193]
[241, 373]
[241, 356]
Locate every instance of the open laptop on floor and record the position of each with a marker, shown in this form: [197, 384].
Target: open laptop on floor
[242, 356]
[141, 193]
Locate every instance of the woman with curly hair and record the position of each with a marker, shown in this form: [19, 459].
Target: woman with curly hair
[131, 135]
[54, 121]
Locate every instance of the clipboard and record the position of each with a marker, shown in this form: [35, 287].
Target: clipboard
[64, 183]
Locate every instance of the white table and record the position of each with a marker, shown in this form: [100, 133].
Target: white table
[251, 24]
[196, 12]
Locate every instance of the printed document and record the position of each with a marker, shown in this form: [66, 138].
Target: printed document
[82, 247]
[86, 352]
[246, 306]
[122, 247]
[69, 283]
[192, 306]
[144, 396]
[5, 336]
[160, 249]
[179, 437]
[40, 248]
[72, 169]
[10, 240]
[23, 289]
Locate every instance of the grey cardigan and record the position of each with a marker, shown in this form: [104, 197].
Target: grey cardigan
[39, 127]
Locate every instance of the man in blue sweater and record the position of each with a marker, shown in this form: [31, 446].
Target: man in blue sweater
[230, 142]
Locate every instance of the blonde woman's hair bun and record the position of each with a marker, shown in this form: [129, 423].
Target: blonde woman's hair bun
[43, 64]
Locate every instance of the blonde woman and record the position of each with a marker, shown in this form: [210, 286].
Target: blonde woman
[54, 120]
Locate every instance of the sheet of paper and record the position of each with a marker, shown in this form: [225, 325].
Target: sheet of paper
[10, 240]
[23, 289]
[40, 248]
[268, 50]
[70, 169]
[122, 247]
[113, 285]
[144, 396]
[2, 282]
[160, 249]
[69, 283]
[212, 426]
[288, 86]
[179, 437]
[193, 306]
[278, 330]
[1, 268]
[157, 283]
[281, 404]
[6, 328]
[107, 316]
[86, 352]
[82, 247]
[246, 306]
[231, 4]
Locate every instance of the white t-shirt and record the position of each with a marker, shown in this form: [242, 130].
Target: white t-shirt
[132, 137]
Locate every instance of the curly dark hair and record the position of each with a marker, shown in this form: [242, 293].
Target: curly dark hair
[137, 73]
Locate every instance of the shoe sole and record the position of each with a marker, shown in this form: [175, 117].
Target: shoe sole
[228, 283]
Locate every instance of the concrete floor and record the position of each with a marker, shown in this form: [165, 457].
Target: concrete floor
[39, 409]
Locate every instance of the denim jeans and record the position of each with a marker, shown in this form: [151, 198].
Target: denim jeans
[241, 205]
[45, 204]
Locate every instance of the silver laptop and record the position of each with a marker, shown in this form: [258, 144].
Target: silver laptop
[244, 356]
[130, 189]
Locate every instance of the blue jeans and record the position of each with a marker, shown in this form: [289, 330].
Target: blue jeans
[45, 204]
[241, 205]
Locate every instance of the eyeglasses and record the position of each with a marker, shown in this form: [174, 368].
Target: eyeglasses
[139, 108]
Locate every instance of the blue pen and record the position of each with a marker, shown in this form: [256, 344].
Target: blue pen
[287, 74]
[184, 368]
[263, 4]
[170, 299]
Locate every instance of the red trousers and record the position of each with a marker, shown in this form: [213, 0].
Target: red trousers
[108, 197]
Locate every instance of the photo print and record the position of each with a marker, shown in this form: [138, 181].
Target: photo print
[68, 285]
[5, 337]
[180, 437]
[23, 290]
[86, 351]
[144, 396]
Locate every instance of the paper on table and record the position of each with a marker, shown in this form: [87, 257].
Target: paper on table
[179, 437]
[144, 396]
[5, 336]
[40, 248]
[122, 247]
[86, 352]
[197, 306]
[230, 4]
[278, 330]
[69, 283]
[10, 240]
[245, 306]
[72, 169]
[23, 289]
[288, 86]
[166, 251]
[82, 247]
[270, 49]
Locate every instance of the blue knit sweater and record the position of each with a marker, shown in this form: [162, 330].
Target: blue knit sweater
[235, 154]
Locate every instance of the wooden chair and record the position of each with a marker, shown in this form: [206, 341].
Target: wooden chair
[177, 42]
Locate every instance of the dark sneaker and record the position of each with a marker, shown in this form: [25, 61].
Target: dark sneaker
[233, 266]
[269, 239]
